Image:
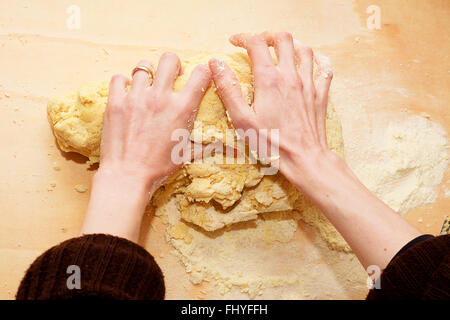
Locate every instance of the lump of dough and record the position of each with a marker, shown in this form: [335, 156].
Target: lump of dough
[77, 119]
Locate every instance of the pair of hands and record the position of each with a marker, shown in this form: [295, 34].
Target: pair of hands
[136, 145]
[138, 125]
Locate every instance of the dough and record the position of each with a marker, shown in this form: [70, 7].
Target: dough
[272, 194]
[77, 119]
[208, 195]
[222, 183]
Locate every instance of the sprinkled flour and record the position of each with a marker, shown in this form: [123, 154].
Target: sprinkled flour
[404, 162]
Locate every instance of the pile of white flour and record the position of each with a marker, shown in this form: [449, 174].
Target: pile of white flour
[402, 160]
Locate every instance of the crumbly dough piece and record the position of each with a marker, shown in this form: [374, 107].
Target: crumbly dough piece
[222, 183]
[272, 194]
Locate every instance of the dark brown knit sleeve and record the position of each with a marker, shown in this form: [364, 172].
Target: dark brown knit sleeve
[109, 268]
[420, 272]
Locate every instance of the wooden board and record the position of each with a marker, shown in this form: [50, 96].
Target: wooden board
[41, 57]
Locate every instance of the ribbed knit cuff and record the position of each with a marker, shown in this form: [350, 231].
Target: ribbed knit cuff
[107, 267]
[419, 272]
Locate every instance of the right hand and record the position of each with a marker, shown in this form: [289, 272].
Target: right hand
[285, 96]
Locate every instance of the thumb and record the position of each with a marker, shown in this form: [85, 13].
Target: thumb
[229, 90]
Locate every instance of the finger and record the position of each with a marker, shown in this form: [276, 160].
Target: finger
[229, 90]
[305, 66]
[198, 83]
[169, 68]
[284, 47]
[270, 40]
[141, 78]
[112, 134]
[118, 87]
[322, 85]
[257, 50]
[323, 78]
[269, 37]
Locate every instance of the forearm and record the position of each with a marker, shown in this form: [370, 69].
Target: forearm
[116, 205]
[372, 229]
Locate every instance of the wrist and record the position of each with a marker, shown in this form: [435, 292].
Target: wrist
[322, 176]
[123, 177]
[123, 187]
[372, 229]
[305, 169]
[117, 204]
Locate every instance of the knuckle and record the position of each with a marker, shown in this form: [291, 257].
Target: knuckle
[271, 78]
[156, 99]
[117, 77]
[268, 36]
[114, 107]
[295, 85]
[291, 75]
[284, 36]
[170, 56]
[226, 89]
[309, 92]
[152, 98]
[267, 68]
[255, 40]
[144, 62]
[204, 70]
[271, 82]
[308, 52]
[132, 99]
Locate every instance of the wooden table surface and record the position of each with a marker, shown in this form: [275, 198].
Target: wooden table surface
[41, 57]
